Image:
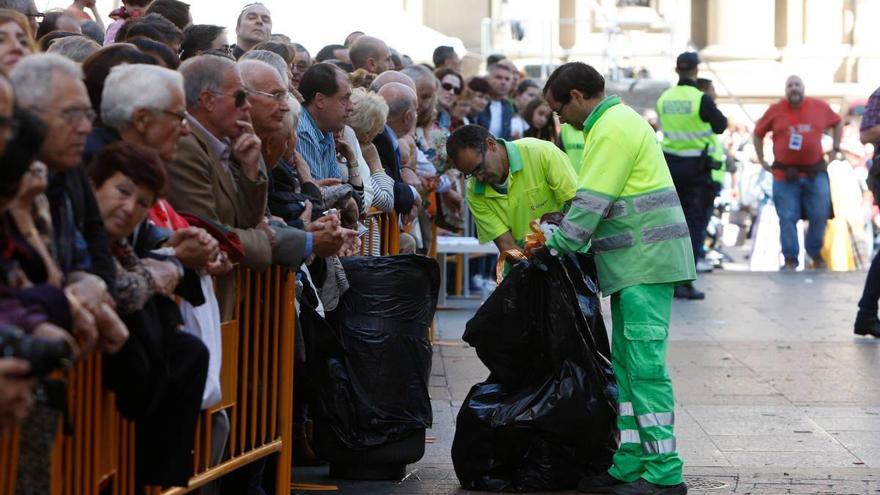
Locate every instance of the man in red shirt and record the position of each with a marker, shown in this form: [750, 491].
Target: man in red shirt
[800, 177]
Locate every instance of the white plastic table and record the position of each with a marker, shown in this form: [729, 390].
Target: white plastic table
[459, 245]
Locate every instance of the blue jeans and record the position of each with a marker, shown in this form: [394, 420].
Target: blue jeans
[810, 198]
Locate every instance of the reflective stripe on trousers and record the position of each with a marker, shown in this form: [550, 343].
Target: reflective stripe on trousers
[687, 136]
[665, 446]
[689, 153]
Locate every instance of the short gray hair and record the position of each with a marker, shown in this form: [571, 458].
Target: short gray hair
[129, 87]
[271, 58]
[33, 76]
[76, 48]
[204, 73]
[419, 73]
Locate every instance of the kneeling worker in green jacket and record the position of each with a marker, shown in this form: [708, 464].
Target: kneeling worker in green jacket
[510, 183]
[627, 207]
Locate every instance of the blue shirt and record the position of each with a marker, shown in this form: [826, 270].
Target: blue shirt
[317, 148]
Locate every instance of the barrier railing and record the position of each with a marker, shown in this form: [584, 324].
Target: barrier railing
[383, 234]
[257, 387]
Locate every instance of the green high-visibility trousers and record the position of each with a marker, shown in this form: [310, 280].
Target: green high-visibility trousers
[640, 323]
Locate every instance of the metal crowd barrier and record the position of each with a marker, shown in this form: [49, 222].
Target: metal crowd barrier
[257, 388]
[383, 234]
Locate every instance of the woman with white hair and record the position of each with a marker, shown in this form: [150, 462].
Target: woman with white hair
[366, 121]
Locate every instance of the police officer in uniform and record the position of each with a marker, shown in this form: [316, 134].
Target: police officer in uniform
[690, 120]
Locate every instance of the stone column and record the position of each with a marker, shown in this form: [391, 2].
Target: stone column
[740, 29]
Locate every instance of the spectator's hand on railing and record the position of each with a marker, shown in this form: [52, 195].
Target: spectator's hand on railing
[112, 332]
[351, 246]
[81, 346]
[327, 236]
[247, 148]
[16, 391]
[165, 275]
[194, 247]
[220, 266]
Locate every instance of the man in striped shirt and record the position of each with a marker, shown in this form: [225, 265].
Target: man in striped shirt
[327, 105]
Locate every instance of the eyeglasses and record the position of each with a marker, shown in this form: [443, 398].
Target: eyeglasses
[240, 95]
[278, 96]
[73, 116]
[181, 116]
[450, 87]
[38, 16]
[561, 108]
[479, 168]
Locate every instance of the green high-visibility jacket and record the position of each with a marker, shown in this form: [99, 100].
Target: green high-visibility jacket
[718, 156]
[573, 144]
[685, 134]
[626, 204]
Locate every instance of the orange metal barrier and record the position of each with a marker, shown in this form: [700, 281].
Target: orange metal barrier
[383, 226]
[257, 385]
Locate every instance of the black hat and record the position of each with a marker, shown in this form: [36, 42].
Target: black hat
[687, 61]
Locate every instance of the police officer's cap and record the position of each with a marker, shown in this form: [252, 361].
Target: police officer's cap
[687, 61]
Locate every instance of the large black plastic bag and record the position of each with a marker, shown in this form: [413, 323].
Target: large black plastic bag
[546, 416]
[371, 376]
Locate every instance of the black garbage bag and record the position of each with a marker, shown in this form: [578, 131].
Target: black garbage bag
[370, 375]
[546, 416]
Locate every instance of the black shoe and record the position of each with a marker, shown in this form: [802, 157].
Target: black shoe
[642, 487]
[600, 483]
[867, 327]
[791, 265]
[688, 291]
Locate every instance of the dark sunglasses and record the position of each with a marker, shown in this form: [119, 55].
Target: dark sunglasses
[240, 95]
[450, 87]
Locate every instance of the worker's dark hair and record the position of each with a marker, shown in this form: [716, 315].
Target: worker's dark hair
[467, 137]
[574, 75]
[494, 59]
[441, 53]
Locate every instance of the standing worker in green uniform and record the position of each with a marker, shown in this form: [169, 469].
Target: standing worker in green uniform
[510, 183]
[573, 143]
[690, 120]
[627, 207]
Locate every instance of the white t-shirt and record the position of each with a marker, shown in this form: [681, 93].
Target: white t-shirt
[496, 109]
[518, 127]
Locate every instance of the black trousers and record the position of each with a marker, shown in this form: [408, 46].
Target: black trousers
[695, 191]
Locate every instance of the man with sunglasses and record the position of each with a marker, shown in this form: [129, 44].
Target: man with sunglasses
[218, 173]
[510, 183]
[626, 207]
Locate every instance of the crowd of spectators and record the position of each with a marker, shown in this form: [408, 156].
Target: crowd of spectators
[144, 159]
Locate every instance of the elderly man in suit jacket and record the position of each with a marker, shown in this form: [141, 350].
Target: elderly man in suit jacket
[218, 173]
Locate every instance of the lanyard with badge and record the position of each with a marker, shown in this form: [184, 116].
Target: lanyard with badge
[796, 139]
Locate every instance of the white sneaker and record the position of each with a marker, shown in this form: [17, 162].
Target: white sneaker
[704, 266]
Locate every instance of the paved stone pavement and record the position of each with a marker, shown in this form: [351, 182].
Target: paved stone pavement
[775, 395]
